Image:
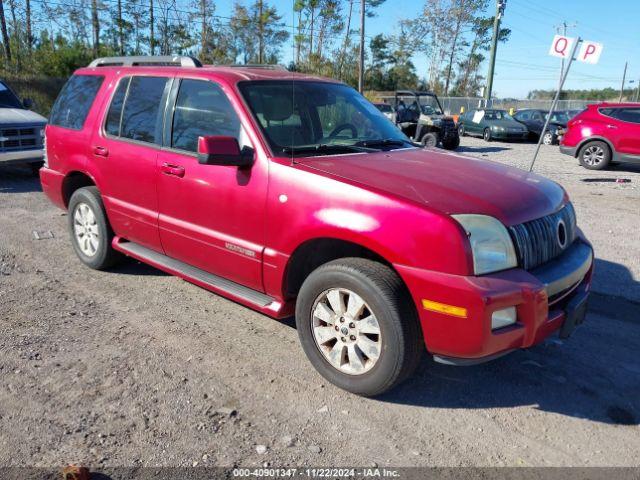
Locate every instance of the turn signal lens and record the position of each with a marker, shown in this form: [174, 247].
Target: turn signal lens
[432, 306]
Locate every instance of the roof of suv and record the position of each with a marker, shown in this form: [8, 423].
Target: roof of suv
[232, 74]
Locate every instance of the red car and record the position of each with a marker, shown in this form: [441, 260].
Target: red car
[604, 133]
[293, 194]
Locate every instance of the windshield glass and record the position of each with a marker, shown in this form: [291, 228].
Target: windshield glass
[384, 107]
[8, 99]
[430, 105]
[558, 117]
[305, 118]
[497, 115]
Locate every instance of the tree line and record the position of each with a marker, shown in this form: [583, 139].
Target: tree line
[52, 38]
[602, 94]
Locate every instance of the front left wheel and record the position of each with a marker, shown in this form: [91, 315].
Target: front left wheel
[91, 234]
[358, 326]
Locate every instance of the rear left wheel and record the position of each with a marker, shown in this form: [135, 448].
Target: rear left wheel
[595, 155]
[358, 326]
[91, 234]
[547, 138]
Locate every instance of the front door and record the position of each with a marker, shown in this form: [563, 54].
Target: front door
[211, 216]
[125, 156]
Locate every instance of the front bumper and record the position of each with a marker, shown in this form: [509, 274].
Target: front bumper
[568, 150]
[541, 297]
[21, 156]
[498, 135]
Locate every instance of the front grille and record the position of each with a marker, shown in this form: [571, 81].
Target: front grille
[539, 241]
[18, 138]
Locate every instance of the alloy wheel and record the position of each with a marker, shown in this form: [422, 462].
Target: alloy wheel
[346, 331]
[85, 229]
[593, 155]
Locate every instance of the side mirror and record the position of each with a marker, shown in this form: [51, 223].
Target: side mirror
[27, 103]
[220, 150]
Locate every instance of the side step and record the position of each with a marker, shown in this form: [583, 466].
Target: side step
[189, 272]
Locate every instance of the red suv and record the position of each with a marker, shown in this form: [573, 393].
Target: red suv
[293, 194]
[604, 133]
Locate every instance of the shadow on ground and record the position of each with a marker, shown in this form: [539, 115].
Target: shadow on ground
[488, 149]
[18, 180]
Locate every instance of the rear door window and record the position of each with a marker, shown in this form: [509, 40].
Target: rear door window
[628, 114]
[141, 117]
[75, 100]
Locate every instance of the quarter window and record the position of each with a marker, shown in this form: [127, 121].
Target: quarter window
[202, 109]
[75, 100]
[142, 112]
[114, 116]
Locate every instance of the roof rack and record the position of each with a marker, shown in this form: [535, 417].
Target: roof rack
[147, 61]
[259, 65]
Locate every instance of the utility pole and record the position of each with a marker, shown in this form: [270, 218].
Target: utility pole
[637, 91]
[361, 70]
[500, 6]
[624, 77]
[563, 26]
[574, 50]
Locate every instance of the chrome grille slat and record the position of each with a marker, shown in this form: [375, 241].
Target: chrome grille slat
[536, 242]
[19, 138]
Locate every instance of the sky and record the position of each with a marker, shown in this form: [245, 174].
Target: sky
[523, 63]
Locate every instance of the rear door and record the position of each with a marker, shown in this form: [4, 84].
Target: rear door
[125, 152]
[626, 131]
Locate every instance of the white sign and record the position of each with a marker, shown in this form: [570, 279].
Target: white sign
[561, 46]
[590, 52]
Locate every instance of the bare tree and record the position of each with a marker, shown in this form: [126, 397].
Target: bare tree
[5, 34]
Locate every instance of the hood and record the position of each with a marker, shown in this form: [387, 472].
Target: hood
[448, 183]
[17, 115]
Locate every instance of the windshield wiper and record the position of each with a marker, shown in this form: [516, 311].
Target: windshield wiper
[325, 148]
[383, 142]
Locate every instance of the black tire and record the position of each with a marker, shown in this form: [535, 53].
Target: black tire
[105, 256]
[595, 155]
[451, 143]
[486, 134]
[461, 131]
[430, 140]
[384, 293]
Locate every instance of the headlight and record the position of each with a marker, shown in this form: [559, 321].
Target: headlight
[496, 127]
[491, 244]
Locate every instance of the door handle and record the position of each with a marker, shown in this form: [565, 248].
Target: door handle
[175, 170]
[100, 151]
[612, 126]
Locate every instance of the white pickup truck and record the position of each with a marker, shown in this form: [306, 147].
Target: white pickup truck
[21, 131]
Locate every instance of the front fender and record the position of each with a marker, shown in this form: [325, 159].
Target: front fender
[302, 206]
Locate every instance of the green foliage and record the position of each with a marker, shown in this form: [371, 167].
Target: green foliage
[601, 94]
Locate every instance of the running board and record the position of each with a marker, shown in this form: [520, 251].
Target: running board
[189, 272]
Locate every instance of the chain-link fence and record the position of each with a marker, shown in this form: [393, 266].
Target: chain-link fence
[455, 105]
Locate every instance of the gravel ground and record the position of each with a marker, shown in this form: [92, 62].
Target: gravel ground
[136, 368]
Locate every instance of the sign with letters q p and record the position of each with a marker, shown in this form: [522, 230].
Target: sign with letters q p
[590, 52]
[561, 46]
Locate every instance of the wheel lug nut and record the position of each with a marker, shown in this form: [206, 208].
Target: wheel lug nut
[352, 325]
[337, 328]
[342, 320]
[352, 337]
[343, 339]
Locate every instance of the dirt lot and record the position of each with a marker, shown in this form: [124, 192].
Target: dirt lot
[133, 367]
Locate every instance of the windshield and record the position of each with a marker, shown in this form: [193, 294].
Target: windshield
[8, 99]
[318, 118]
[497, 115]
[430, 105]
[558, 117]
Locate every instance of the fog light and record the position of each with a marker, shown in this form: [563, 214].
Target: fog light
[503, 318]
